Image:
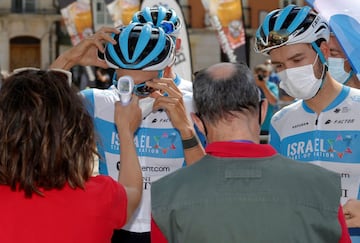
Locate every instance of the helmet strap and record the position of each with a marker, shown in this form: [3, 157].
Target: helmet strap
[319, 52]
[114, 79]
[323, 61]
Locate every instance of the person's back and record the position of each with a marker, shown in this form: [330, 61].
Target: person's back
[270, 199]
[243, 191]
[67, 215]
[48, 153]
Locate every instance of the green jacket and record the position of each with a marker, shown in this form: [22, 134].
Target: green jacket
[271, 199]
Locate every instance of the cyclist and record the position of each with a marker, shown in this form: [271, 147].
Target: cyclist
[323, 126]
[166, 137]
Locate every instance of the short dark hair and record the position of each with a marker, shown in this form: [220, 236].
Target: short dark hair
[217, 98]
[47, 137]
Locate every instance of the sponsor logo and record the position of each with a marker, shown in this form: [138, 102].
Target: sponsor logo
[344, 191]
[344, 109]
[155, 168]
[355, 98]
[147, 182]
[300, 125]
[147, 179]
[315, 22]
[328, 122]
[164, 120]
[149, 168]
[344, 121]
[161, 120]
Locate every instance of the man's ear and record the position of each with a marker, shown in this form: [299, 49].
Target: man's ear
[264, 107]
[167, 72]
[178, 44]
[197, 121]
[325, 49]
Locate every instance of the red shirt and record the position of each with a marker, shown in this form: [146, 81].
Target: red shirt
[64, 216]
[243, 150]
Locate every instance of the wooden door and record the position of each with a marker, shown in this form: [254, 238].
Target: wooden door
[24, 54]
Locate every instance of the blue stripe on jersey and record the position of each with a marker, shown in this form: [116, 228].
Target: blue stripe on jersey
[89, 100]
[337, 101]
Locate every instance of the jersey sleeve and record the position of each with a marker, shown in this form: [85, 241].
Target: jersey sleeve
[88, 95]
[274, 139]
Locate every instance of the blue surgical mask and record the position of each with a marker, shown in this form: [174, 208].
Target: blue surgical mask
[336, 69]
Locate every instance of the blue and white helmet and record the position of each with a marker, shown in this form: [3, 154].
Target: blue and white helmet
[159, 16]
[140, 47]
[290, 25]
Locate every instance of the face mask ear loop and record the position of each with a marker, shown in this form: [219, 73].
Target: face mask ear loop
[114, 79]
[260, 107]
[202, 121]
[318, 51]
[349, 77]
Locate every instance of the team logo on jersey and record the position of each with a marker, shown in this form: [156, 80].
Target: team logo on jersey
[165, 142]
[159, 144]
[319, 149]
[155, 144]
[115, 143]
[341, 145]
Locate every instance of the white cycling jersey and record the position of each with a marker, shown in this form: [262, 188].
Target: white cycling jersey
[330, 139]
[158, 145]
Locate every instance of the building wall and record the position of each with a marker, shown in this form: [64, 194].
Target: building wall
[39, 24]
[203, 39]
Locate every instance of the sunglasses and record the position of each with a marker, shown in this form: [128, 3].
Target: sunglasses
[58, 70]
[275, 39]
[142, 90]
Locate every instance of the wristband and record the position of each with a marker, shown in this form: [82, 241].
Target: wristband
[190, 143]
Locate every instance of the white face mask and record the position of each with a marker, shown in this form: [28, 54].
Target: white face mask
[336, 69]
[300, 82]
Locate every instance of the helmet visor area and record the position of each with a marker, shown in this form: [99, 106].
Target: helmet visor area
[274, 39]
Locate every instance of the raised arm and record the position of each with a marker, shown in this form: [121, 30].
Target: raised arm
[86, 52]
[174, 106]
[128, 119]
